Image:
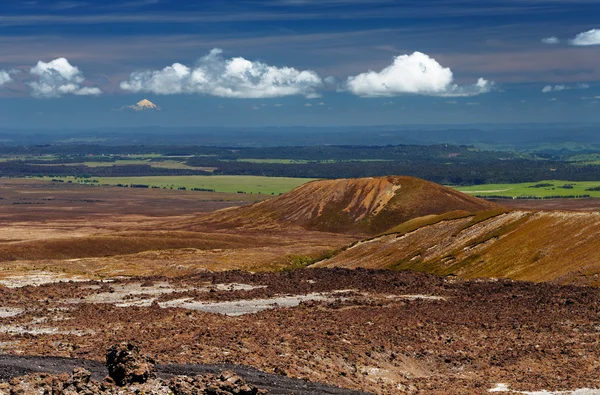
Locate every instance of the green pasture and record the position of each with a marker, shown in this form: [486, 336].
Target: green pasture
[228, 184]
[530, 189]
[302, 161]
[165, 164]
[585, 159]
[9, 158]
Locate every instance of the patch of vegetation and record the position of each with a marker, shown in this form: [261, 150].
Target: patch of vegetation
[298, 261]
[227, 184]
[295, 261]
[481, 216]
[568, 189]
[541, 185]
[416, 223]
[441, 163]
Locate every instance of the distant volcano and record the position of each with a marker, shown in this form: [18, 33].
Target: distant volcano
[143, 105]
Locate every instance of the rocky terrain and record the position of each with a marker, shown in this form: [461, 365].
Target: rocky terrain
[287, 295]
[129, 372]
[383, 332]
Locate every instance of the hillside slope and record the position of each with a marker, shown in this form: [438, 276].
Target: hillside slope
[360, 206]
[521, 245]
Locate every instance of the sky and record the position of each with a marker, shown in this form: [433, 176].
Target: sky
[85, 63]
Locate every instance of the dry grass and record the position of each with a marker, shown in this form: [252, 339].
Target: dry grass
[545, 246]
[77, 230]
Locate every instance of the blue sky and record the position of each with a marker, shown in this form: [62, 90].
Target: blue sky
[80, 64]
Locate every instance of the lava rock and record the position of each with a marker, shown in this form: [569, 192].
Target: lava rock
[126, 365]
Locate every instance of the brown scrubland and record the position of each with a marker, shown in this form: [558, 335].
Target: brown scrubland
[473, 294]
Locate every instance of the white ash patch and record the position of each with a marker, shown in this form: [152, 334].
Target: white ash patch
[38, 278]
[416, 297]
[135, 294]
[7, 312]
[250, 306]
[501, 387]
[34, 330]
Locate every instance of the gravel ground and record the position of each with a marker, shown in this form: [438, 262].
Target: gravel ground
[384, 332]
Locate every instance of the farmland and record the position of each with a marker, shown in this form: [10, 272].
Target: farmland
[541, 189]
[226, 184]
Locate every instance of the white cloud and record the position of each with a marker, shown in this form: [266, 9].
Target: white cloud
[413, 74]
[233, 78]
[562, 87]
[591, 37]
[555, 88]
[550, 40]
[57, 78]
[331, 81]
[4, 77]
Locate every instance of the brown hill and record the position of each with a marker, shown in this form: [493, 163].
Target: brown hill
[359, 206]
[522, 245]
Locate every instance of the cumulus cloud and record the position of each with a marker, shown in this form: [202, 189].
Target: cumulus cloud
[591, 37]
[57, 78]
[562, 87]
[413, 74]
[550, 40]
[234, 78]
[5, 77]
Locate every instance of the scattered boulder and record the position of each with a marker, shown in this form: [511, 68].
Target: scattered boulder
[79, 382]
[226, 383]
[126, 365]
[130, 372]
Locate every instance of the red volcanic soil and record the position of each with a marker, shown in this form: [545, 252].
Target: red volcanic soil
[358, 206]
[379, 331]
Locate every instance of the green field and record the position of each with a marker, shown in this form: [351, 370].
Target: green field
[165, 164]
[278, 161]
[229, 184]
[302, 161]
[586, 159]
[529, 189]
[9, 158]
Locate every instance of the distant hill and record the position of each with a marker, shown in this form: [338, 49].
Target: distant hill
[358, 206]
[522, 245]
